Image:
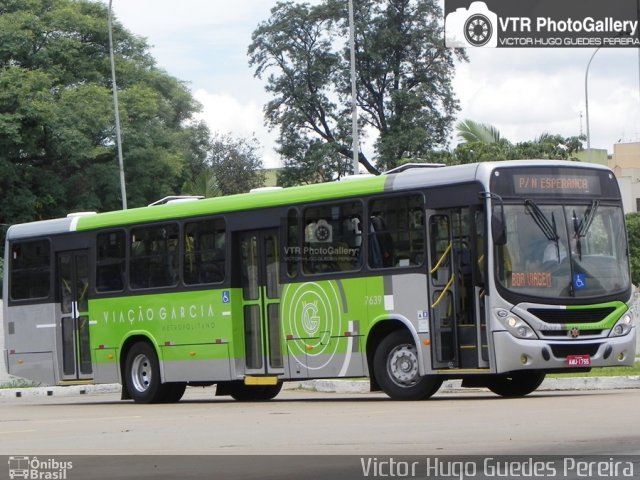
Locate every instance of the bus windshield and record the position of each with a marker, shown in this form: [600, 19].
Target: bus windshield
[563, 251]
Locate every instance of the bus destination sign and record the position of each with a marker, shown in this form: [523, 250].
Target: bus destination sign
[565, 184]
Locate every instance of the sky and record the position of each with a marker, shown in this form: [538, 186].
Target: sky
[522, 92]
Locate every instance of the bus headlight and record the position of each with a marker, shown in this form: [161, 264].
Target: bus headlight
[517, 327]
[623, 326]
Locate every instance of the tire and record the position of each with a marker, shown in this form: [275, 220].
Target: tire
[173, 392]
[395, 364]
[253, 393]
[142, 375]
[515, 384]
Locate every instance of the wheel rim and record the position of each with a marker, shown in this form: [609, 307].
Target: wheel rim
[141, 374]
[402, 365]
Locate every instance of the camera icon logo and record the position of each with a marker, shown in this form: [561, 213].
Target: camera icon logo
[471, 27]
[319, 232]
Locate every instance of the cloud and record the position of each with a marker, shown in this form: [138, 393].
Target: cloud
[523, 92]
[526, 92]
[166, 17]
[224, 113]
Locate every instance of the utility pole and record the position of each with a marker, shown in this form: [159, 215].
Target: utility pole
[355, 146]
[123, 189]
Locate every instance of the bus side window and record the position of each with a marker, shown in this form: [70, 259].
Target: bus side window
[30, 270]
[110, 264]
[396, 232]
[154, 258]
[204, 252]
[381, 243]
[332, 238]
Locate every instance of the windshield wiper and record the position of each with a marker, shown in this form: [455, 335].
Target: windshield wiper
[581, 229]
[588, 218]
[547, 227]
[576, 231]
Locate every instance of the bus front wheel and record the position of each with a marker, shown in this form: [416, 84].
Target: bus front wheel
[396, 366]
[516, 384]
[142, 374]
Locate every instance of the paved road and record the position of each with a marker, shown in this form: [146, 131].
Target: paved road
[97, 436]
[302, 422]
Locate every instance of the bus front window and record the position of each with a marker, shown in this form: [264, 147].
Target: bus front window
[569, 251]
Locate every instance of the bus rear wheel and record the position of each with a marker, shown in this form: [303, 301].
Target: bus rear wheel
[515, 384]
[395, 364]
[142, 375]
[253, 393]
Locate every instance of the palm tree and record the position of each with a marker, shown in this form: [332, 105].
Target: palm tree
[205, 184]
[470, 131]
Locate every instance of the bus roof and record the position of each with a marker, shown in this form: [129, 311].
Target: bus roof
[355, 187]
[234, 203]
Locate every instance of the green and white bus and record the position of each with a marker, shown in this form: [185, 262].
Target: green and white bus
[493, 273]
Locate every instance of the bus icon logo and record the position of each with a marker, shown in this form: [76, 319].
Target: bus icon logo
[18, 467]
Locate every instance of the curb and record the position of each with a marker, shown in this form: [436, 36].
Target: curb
[57, 391]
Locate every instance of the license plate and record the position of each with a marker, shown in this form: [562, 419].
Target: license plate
[579, 360]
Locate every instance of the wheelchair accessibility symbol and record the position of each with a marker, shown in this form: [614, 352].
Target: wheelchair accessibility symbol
[579, 281]
[226, 296]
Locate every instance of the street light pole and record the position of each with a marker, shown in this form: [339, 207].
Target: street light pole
[354, 104]
[586, 98]
[123, 190]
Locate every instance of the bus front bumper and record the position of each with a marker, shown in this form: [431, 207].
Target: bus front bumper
[513, 353]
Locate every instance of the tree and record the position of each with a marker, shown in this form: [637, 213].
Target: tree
[57, 138]
[235, 164]
[483, 142]
[313, 162]
[470, 131]
[633, 234]
[232, 166]
[404, 78]
[204, 184]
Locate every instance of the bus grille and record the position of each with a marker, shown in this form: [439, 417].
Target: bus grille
[567, 333]
[564, 350]
[555, 316]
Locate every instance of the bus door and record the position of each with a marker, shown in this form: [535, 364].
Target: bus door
[72, 322]
[259, 264]
[455, 298]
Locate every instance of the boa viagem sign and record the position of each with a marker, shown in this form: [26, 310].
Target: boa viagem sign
[542, 23]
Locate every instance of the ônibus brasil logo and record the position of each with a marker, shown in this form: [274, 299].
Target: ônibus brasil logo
[33, 468]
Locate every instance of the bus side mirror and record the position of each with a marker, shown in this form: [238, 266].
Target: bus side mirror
[498, 230]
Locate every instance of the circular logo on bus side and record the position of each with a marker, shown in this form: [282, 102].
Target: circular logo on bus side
[311, 317]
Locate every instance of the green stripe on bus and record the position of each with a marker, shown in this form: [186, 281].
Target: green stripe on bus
[233, 203]
[609, 321]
